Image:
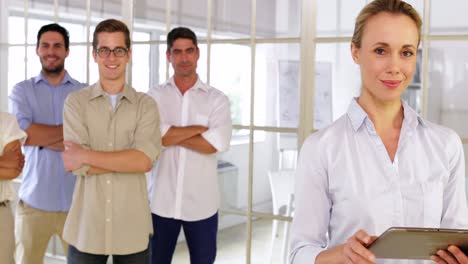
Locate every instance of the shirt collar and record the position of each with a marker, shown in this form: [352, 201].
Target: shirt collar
[414, 119]
[66, 79]
[128, 92]
[357, 115]
[198, 84]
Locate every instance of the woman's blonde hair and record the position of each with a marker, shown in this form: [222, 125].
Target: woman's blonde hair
[378, 6]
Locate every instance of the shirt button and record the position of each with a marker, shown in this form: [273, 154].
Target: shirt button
[108, 181]
[108, 220]
[110, 144]
[108, 201]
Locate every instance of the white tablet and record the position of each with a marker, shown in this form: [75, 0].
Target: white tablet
[417, 243]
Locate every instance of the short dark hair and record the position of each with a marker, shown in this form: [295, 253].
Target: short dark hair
[111, 26]
[180, 32]
[55, 28]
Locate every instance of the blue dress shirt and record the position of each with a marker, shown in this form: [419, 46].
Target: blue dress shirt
[46, 185]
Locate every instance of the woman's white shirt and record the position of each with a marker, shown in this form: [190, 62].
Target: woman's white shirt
[346, 182]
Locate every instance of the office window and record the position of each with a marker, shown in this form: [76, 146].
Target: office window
[13, 36]
[278, 19]
[231, 73]
[231, 19]
[277, 77]
[447, 85]
[335, 18]
[337, 83]
[453, 9]
[16, 57]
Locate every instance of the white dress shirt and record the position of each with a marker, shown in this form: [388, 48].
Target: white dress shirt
[183, 182]
[346, 182]
[9, 132]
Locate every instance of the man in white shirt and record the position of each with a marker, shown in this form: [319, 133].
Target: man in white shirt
[195, 125]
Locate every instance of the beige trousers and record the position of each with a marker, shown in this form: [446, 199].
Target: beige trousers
[7, 235]
[34, 228]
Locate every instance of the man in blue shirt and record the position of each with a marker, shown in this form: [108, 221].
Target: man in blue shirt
[46, 191]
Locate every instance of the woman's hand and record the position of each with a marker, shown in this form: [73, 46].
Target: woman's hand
[355, 249]
[453, 255]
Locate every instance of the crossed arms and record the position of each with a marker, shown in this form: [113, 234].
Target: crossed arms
[133, 160]
[46, 136]
[79, 156]
[75, 157]
[188, 137]
[41, 135]
[11, 161]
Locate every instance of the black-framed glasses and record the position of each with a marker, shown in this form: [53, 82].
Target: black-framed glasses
[105, 52]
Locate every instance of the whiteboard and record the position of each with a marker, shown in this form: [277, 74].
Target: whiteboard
[289, 92]
[323, 95]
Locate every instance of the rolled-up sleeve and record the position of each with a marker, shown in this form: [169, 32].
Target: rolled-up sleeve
[164, 128]
[74, 129]
[147, 133]
[20, 107]
[11, 131]
[220, 126]
[312, 213]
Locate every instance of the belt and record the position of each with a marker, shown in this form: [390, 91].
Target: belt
[4, 203]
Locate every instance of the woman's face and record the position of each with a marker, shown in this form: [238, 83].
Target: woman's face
[387, 56]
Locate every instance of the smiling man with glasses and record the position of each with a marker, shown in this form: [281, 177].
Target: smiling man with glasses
[118, 52]
[112, 138]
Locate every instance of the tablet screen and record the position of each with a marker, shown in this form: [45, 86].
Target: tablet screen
[417, 243]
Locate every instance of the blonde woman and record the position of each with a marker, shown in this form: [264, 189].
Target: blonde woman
[381, 164]
[11, 164]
